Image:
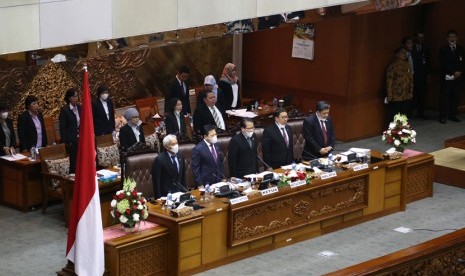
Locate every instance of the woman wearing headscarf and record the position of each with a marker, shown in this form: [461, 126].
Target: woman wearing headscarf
[229, 95]
[7, 132]
[132, 132]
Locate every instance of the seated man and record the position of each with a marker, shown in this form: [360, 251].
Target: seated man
[277, 142]
[208, 113]
[318, 133]
[242, 151]
[207, 159]
[168, 169]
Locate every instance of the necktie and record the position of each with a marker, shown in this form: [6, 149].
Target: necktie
[173, 159]
[249, 141]
[285, 137]
[213, 152]
[453, 48]
[216, 118]
[182, 88]
[325, 135]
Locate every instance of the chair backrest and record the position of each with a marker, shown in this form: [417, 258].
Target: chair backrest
[151, 103]
[185, 150]
[53, 152]
[50, 130]
[59, 167]
[298, 137]
[108, 154]
[259, 134]
[223, 143]
[104, 140]
[139, 168]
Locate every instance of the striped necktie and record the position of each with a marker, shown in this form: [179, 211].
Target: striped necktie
[216, 118]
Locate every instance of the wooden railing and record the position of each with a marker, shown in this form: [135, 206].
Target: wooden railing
[441, 256]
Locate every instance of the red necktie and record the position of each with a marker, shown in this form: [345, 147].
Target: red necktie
[213, 152]
[285, 137]
[323, 128]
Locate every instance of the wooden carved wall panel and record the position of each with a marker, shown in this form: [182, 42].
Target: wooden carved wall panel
[294, 210]
[145, 260]
[419, 180]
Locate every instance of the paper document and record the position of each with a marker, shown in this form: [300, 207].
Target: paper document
[15, 157]
[106, 173]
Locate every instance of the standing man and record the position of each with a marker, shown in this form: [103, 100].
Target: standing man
[399, 84]
[318, 133]
[242, 151]
[451, 58]
[207, 159]
[103, 112]
[277, 141]
[70, 118]
[31, 126]
[208, 113]
[421, 64]
[178, 88]
[168, 169]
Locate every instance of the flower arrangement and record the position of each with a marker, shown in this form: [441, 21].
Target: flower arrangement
[291, 176]
[400, 133]
[128, 206]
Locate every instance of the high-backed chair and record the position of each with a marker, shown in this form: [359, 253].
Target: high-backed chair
[107, 151]
[55, 168]
[50, 130]
[259, 134]
[298, 137]
[139, 168]
[185, 150]
[147, 106]
[223, 143]
[151, 137]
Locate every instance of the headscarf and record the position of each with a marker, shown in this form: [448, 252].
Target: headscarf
[226, 75]
[129, 113]
[211, 80]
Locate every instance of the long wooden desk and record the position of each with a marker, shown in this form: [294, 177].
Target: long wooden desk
[21, 184]
[221, 233]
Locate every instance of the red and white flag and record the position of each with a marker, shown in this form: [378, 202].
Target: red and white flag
[85, 236]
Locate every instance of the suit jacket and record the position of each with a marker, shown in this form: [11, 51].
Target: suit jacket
[127, 138]
[314, 139]
[451, 62]
[102, 124]
[242, 158]
[174, 91]
[9, 124]
[421, 60]
[171, 123]
[203, 116]
[275, 151]
[164, 174]
[27, 132]
[69, 129]
[204, 167]
[225, 95]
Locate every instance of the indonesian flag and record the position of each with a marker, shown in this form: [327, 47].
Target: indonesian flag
[85, 236]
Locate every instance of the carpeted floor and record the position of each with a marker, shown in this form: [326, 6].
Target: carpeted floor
[34, 244]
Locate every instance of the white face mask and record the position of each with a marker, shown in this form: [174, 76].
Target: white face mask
[4, 115]
[174, 149]
[214, 139]
[104, 96]
[248, 134]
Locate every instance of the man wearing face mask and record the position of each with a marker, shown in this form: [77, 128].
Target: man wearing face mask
[31, 126]
[242, 151]
[7, 132]
[69, 126]
[168, 169]
[103, 112]
[277, 142]
[318, 133]
[207, 159]
[132, 132]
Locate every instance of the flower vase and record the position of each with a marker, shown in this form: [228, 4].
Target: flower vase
[129, 229]
[400, 149]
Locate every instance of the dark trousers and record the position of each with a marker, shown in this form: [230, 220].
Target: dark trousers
[402, 107]
[419, 93]
[449, 98]
[72, 152]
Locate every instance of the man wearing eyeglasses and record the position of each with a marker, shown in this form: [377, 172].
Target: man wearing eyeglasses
[277, 142]
[242, 151]
[318, 133]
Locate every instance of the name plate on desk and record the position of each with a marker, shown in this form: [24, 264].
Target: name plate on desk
[238, 200]
[269, 191]
[328, 175]
[297, 183]
[360, 167]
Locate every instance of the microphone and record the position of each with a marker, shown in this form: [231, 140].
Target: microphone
[309, 153]
[263, 162]
[179, 185]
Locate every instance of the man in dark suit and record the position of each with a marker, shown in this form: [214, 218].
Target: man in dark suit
[277, 142]
[69, 126]
[318, 133]
[168, 169]
[208, 113]
[207, 159]
[178, 88]
[451, 58]
[242, 151]
[421, 63]
[103, 112]
[31, 126]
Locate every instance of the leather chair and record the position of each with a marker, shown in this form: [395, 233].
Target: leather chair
[298, 137]
[259, 134]
[139, 168]
[223, 143]
[185, 150]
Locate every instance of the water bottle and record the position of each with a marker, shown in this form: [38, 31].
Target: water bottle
[293, 166]
[169, 200]
[256, 105]
[33, 153]
[330, 161]
[207, 192]
[275, 102]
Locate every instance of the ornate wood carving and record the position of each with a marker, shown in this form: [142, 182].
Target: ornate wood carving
[419, 180]
[145, 260]
[297, 209]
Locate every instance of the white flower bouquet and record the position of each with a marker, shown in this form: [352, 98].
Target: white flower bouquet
[400, 133]
[129, 206]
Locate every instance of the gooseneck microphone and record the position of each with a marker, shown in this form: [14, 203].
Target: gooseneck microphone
[263, 162]
[179, 185]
